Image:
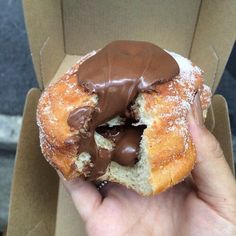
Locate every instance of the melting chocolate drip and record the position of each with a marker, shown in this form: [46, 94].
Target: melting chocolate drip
[117, 73]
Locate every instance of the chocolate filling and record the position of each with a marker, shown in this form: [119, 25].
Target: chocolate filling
[117, 73]
[126, 139]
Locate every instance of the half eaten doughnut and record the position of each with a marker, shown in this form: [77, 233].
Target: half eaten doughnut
[120, 115]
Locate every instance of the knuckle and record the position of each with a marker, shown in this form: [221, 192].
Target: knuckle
[214, 147]
[218, 150]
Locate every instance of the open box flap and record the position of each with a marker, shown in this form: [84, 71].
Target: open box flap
[90, 25]
[34, 191]
[214, 38]
[43, 21]
[82, 26]
[39, 229]
[222, 129]
[85, 26]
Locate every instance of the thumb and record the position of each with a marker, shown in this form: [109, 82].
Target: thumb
[85, 196]
[214, 180]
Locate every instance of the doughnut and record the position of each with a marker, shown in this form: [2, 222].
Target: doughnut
[120, 115]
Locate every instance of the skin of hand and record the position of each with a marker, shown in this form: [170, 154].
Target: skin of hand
[203, 204]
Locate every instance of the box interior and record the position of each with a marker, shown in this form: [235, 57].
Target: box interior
[35, 185]
[58, 32]
[196, 29]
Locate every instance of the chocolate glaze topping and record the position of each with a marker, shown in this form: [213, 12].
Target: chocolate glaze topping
[117, 73]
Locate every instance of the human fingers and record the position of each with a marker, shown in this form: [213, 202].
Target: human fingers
[212, 175]
[85, 196]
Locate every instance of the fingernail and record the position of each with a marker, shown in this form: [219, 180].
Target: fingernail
[197, 110]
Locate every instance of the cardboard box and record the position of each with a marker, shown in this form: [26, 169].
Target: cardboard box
[58, 32]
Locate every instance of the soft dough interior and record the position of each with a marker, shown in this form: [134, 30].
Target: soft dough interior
[135, 177]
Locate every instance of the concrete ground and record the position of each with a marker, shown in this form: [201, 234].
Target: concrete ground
[16, 70]
[17, 77]
[6, 170]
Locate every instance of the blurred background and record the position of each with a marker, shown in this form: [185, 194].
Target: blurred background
[17, 77]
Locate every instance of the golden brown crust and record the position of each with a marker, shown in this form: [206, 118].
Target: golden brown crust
[54, 106]
[175, 171]
[170, 150]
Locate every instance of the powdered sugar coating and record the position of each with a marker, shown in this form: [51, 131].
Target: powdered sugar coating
[176, 97]
[185, 65]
